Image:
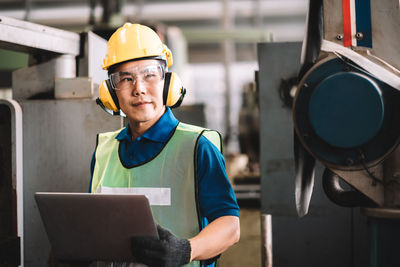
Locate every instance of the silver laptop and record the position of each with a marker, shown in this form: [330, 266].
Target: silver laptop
[83, 226]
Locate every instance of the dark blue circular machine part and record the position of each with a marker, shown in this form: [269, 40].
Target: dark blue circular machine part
[346, 109]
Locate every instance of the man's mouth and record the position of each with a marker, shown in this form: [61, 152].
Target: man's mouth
[140, 103]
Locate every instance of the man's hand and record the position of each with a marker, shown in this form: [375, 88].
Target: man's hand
[168, 251]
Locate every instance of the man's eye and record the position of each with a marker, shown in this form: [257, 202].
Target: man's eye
[126, 79]
[149, 75]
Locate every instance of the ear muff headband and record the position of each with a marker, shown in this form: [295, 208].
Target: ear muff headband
[168, 56]
[107, 96]
[173, 92]
[167, 80]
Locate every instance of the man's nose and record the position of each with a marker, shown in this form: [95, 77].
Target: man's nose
[139, 87]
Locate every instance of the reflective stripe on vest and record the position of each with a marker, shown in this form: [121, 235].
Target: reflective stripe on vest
[168, 180]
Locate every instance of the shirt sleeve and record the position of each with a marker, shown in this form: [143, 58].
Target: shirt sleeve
[216, 195]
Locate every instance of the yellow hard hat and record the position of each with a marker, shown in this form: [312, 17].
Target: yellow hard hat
[135, 41]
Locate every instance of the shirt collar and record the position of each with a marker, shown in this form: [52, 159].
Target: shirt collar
[159, 132]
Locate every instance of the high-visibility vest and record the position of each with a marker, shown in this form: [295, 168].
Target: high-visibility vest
[168, 180]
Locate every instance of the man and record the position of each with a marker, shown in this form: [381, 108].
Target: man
[171, 162]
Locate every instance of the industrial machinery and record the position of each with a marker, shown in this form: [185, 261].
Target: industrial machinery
[329, 116]
[346, 114]
[47, 131]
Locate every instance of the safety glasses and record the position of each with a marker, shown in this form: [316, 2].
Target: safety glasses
[127, 79]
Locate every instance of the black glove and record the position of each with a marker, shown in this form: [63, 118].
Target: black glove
[168, 251]
[52, 261]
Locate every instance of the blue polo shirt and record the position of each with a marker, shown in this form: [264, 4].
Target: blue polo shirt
[216, 196]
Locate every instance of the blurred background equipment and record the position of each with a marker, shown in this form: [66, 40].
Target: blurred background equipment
[11, 184]
[53, 73]
[327, 231]
[214, 39]
[346, 111]
[47, 129]
[249, 128]
[321, 109]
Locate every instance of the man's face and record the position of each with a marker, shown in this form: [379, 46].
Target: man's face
[139, 88]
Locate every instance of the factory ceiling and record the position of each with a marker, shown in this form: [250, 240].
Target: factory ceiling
[285, 18]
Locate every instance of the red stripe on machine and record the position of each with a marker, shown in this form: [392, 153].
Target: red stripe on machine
[346, 10]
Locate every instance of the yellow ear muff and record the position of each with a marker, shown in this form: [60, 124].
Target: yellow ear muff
[173, 90]
[108, 97]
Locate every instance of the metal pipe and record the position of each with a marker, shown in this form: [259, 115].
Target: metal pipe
[266, 240]
[65, 66]
[228, 48]
[79, 12]
[28, 8]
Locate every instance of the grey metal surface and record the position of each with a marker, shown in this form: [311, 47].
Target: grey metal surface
[29, 81]
[18, 35]
[39, 79]
[276, 61]
[385, 20]
[266, 240]
[329, 235]
[385, 28]
[94, 49]
[333, 21]
[80, 87]
[59, 139]
[65, 66]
